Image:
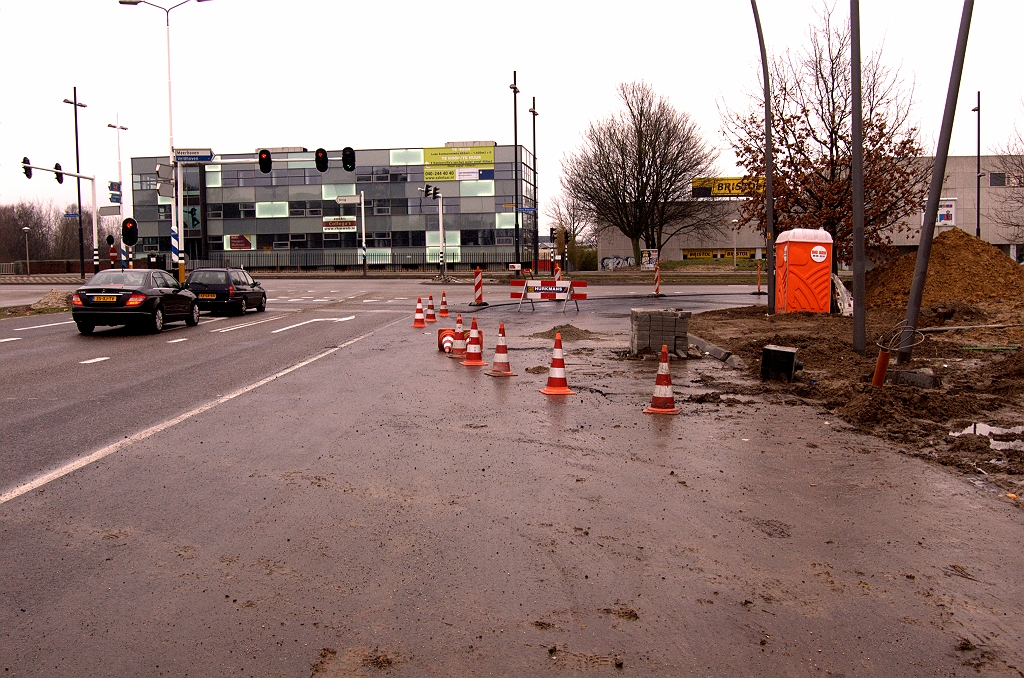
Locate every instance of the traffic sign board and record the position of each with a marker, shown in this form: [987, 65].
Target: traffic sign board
[115, 198]
[508, 204]
[527, 209]
[71, 215]
[347, 199]
[193, 154]
[114, 186]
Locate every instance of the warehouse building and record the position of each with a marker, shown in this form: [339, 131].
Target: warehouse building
[292, 216]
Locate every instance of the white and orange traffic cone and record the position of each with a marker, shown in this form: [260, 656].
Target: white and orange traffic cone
[443, 311]
[474, 348]
[557, 385]
[663, 401]
[445, 340]
[657, 280]
[501, 366]
[558, 272]
[418, 320]
[459, 347]
[431, 318]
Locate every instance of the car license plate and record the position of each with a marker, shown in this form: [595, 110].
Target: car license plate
[207, 296]
[104, 297]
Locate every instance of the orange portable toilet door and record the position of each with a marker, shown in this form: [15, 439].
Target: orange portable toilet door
[804, 280]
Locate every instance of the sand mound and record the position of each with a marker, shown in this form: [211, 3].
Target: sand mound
[962, 268]
[53, 299]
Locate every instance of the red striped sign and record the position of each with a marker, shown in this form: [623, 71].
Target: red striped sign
[549, 289]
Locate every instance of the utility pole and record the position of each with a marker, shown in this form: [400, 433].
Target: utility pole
[536, 188]
[977, 188]
[78, 169]
[515, 159]
[769, 199]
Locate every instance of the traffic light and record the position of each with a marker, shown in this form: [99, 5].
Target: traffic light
[129, 232]
[265, 161]
[431, 191]
[348, 159]
[25, 162]
[110, 238]
[320, 156]
[58, 173]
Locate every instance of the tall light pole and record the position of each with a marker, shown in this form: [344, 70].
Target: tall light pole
[536, 187]
[28, 268]
[120, 207]
[769, 199]
[977, 189]
[515, 158]
[175, 234]
[78, 170]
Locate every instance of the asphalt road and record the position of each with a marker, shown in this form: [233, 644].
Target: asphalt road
[315, 482]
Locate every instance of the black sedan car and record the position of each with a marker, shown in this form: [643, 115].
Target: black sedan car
[148, 298]
[226, 289]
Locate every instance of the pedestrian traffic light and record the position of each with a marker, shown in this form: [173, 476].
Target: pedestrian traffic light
[129, 232]
[25, 166]
[265, 161]
[58, 173]
[348, 159]
[320, 156]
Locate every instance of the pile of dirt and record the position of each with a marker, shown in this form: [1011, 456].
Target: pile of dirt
[53, 299]
[568, 332]
[961, 268]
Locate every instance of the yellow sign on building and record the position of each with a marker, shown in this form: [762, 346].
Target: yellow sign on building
[481, 157]
[725, 187]
[442, 174]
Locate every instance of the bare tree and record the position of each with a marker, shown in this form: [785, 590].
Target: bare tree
[635, 168]
[811, 134]
[1010, 163]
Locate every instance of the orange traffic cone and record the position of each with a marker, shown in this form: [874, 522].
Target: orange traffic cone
[418, 320]
[459, 347]
[501, 366]
[443, 311]
[557, 384]
[431, 318]
[663, 401]
[473, 348]
[445, 340]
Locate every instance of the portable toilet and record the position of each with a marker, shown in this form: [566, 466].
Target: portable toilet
[803, 271]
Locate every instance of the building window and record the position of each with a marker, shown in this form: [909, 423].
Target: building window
[407, 156]
[163, 212]
[271, 210]
[476, 188]
[997, 179]
[247, 210]
[144, 182]
[382, 207]
[297, 208]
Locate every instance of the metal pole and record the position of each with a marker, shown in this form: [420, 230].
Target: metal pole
[362, 221]
[859, 265]
[78, 182]
[175, 223]
[935, 188]
[123, 249]
[977, 193]
[440, 230]
[515, 160]
[536, 188]
[28, 266]
[95, 238]
[769, 199]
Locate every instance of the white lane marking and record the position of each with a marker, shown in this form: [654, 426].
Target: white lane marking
[370, 301]
[321, 300]
[402, 298]
[274, 299]
[11, 339]
[314, 320]
[238, 327]
[177, 341]
[290, 300]
[70, 467]
[36, 327]
[94, 360]
[211, 320]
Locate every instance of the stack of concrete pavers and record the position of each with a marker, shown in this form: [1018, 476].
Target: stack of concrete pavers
[650, 329]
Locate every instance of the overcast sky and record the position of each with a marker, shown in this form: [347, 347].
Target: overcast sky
[261, 73]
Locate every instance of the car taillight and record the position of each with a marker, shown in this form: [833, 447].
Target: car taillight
[136, 299]
[76, 300]
[231, 290]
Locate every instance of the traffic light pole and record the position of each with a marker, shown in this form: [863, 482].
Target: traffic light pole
[92, 182]
[440, 230]
[362, 222]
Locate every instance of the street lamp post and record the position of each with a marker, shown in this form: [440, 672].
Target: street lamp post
[120, 207]
[735, 230]
[78, 169]
[175, 234]
[515, 158]
[28, 267]
[536, 187]
[977, 188]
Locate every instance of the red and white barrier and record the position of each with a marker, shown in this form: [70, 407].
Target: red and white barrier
[549, 290]
[478, 288]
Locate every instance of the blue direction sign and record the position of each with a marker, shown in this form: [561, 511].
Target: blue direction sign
[193, 154]
[115, 198]
[71, 215]
[114, 186]
[527, 209]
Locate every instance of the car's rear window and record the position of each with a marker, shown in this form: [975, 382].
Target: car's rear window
[209, 277]
[113, 277]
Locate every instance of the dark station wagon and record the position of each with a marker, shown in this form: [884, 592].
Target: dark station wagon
[143, 297]
[226, 289]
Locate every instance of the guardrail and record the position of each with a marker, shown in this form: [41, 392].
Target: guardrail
[12, 268]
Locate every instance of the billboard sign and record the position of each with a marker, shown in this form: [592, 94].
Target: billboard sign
[725, 187]
[240, 242]
[339, 224]
[648, 259]
[462, 156]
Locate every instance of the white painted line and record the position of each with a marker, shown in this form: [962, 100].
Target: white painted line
[70, 467]
[402, 298]
[321, 300]
[211, 320]
[370, 301]
[11, 339]
[94, 360]
[238, 327]
[177, 341]
[314, 320]
[36, 327]
[290, 300]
